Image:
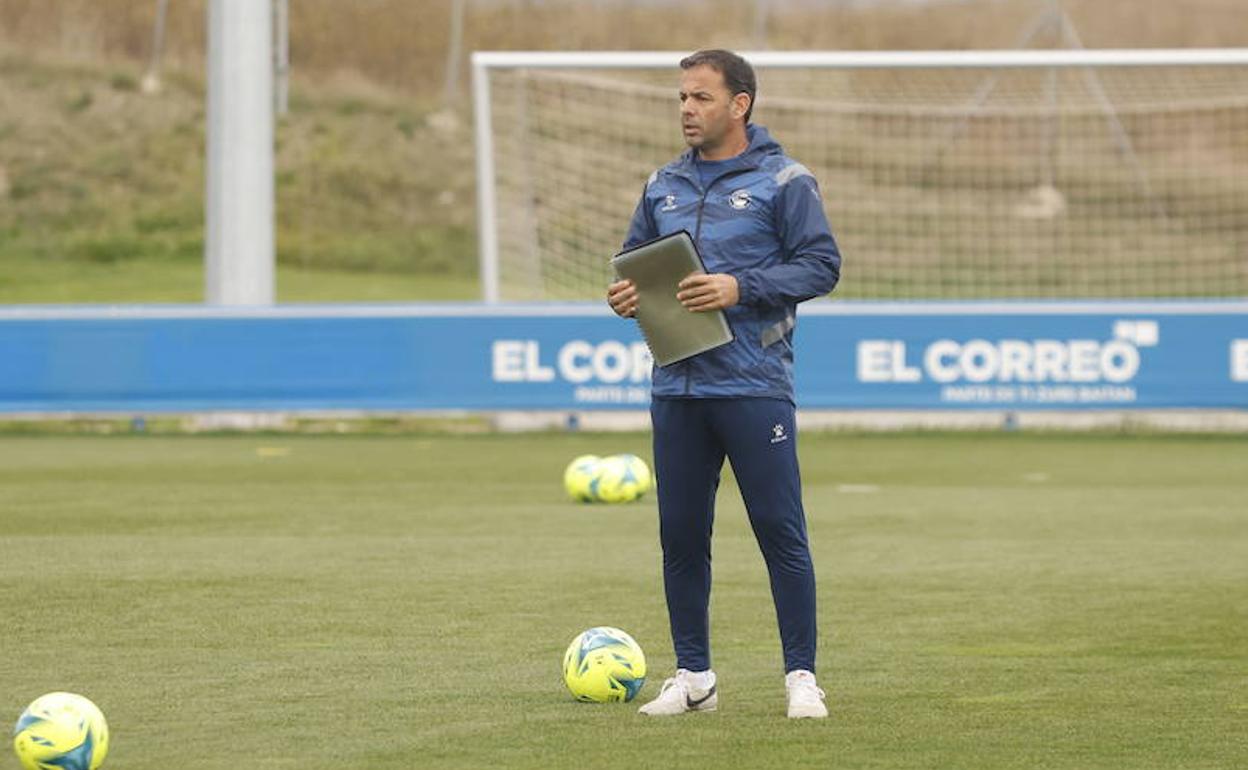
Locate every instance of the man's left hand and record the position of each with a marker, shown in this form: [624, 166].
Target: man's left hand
[702, 292]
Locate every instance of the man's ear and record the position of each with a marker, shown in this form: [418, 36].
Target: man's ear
[740, 105]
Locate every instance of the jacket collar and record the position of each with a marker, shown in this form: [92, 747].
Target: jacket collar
[760, 145]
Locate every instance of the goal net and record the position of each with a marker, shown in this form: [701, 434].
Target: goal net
[964, 175]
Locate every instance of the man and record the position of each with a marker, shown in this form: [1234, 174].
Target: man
[758, 221]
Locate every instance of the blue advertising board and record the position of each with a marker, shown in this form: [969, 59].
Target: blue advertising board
[474, 357]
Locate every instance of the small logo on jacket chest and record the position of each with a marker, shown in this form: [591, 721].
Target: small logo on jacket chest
[739, 199]
[669, 203]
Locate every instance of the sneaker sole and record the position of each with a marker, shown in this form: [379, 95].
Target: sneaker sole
[809, 716]
[676, 713]
[714, 707]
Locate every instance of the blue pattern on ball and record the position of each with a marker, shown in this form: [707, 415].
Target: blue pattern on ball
[26, 721]
[78, 759]
[632, 687]
[593, 639]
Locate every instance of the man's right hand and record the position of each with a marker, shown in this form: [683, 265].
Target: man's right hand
[622, 297]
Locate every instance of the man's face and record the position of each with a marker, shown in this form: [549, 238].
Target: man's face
[705, 107]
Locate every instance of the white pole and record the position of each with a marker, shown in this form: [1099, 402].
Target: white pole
[454, 50]
[760, 24]
[238, 241]
[487, 227]
[151, 78]
[282, 20]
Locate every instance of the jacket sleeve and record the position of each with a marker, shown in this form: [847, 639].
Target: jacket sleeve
[642, 227]
[811, 263]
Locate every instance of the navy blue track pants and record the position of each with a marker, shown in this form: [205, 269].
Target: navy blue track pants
[758, 436]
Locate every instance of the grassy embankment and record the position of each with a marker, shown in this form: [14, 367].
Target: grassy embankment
[104, 191]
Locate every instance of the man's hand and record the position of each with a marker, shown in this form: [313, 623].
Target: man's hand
[702, 292]
[622, 297]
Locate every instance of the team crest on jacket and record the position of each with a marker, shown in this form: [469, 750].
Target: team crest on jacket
[669, 203]
[739, 198]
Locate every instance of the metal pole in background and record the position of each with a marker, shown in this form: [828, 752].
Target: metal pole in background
[151, 78]
[487, 224]
[760, 24]
[454, 52]
[238, 237]
[281, 19]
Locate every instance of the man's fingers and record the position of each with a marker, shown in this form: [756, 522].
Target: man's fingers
[620, 290]
[698, 293]
[693, 280]
[624, 301]
[706, 300]
[695, 292]
[622, 297]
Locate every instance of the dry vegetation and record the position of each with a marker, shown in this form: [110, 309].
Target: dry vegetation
[403, 43]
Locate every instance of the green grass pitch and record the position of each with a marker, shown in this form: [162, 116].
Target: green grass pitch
[986, 601]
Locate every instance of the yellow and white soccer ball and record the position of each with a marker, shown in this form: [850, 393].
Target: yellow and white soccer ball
[604, 665]
[61, 730]
[578, 478]
[640, 471]
[621, 479]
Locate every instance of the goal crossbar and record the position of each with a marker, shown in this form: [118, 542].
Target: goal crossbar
[1117, 57]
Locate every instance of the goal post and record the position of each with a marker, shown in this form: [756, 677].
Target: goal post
[1038, 174]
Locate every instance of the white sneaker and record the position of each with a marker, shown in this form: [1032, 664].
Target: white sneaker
[805, 697]
[686, 691]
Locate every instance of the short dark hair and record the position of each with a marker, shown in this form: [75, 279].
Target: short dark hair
[737, 72]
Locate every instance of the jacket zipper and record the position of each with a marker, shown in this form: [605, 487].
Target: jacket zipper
[697, 233]
[697, 228]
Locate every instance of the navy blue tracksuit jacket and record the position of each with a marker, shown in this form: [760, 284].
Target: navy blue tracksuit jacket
[762, 221]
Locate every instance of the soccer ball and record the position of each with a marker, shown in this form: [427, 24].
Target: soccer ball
[621, 479]
[641, 471]
[604, 665]
[61, 730]
[578, 478]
